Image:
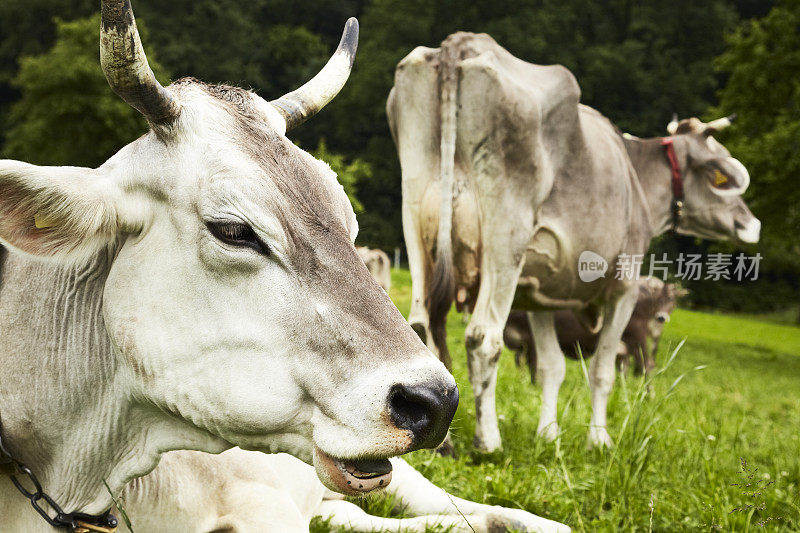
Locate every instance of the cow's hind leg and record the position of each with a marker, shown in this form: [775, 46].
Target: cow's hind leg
[550, 370]
[508, 189]
[601, 369]
[254, 507]
[484, 339]
[412, 108]
[419, 265]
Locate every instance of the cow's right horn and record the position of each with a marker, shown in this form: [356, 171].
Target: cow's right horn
[301, 104]
[125, 64]
[720, 123]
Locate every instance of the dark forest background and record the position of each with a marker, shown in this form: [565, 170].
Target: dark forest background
[636, 62]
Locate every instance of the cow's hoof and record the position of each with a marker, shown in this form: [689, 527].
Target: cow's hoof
[486, 446]
[548, 432]
[599, 438]
[519, 520]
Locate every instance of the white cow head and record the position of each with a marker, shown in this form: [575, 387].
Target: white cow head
[236, 299]
[713, 184]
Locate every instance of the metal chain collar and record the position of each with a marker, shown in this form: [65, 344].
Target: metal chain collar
[73, 522]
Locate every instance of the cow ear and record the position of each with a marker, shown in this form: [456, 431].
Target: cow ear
[675, 291]
[727, 176]
[63, 213]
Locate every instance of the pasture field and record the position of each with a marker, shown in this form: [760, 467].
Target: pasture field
[714, 445]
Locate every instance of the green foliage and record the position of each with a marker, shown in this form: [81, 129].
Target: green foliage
[27, 28]
[761, 62]
[248, 44]
[67, 113]
[349, 174]
[636, 61]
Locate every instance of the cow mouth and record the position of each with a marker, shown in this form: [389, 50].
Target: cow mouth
[352, 476]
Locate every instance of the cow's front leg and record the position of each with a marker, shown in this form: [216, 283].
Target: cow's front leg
[601, 369]
[419, 265]
[417, 496]
[550, 370]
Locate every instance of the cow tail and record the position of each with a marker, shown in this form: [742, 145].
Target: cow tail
[440, 294]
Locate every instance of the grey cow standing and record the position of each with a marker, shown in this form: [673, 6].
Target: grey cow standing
[507, 179]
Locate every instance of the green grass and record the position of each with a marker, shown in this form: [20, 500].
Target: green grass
[731, 394]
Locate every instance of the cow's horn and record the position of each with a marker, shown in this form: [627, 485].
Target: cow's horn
[301, 104]
[720, 123]
[672, 127]
[126, 67]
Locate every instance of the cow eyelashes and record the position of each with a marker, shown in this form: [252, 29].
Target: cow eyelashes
[237, 234]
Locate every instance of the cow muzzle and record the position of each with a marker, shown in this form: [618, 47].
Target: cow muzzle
[424, 410]
[417, 415]
[352, 476]
[748, 232]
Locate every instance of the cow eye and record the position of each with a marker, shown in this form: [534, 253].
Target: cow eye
[237, 234]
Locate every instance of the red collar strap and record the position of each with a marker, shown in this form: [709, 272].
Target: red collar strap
[677, 180]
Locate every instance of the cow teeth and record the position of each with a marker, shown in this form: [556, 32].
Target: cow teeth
[362, 475]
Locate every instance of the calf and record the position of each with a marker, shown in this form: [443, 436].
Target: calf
[653, 308]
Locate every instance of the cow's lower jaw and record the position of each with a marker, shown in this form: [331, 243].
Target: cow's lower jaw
[352, 476]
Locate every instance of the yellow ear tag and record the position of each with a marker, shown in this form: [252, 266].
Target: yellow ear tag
[42, 222]
[720, 178]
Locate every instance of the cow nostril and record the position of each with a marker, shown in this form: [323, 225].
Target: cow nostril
[425, 411]
[408, 410]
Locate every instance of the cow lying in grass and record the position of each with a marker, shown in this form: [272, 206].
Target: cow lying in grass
[240, 491]
[653, 308]
[199, 290]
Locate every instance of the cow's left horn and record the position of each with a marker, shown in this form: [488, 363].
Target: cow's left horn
[301, 104]
[125, 64]
[672, 127]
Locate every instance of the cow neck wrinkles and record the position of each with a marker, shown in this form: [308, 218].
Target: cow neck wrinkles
[65, 409]
[655, 177]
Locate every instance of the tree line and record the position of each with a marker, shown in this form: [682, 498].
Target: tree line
[636, 62]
